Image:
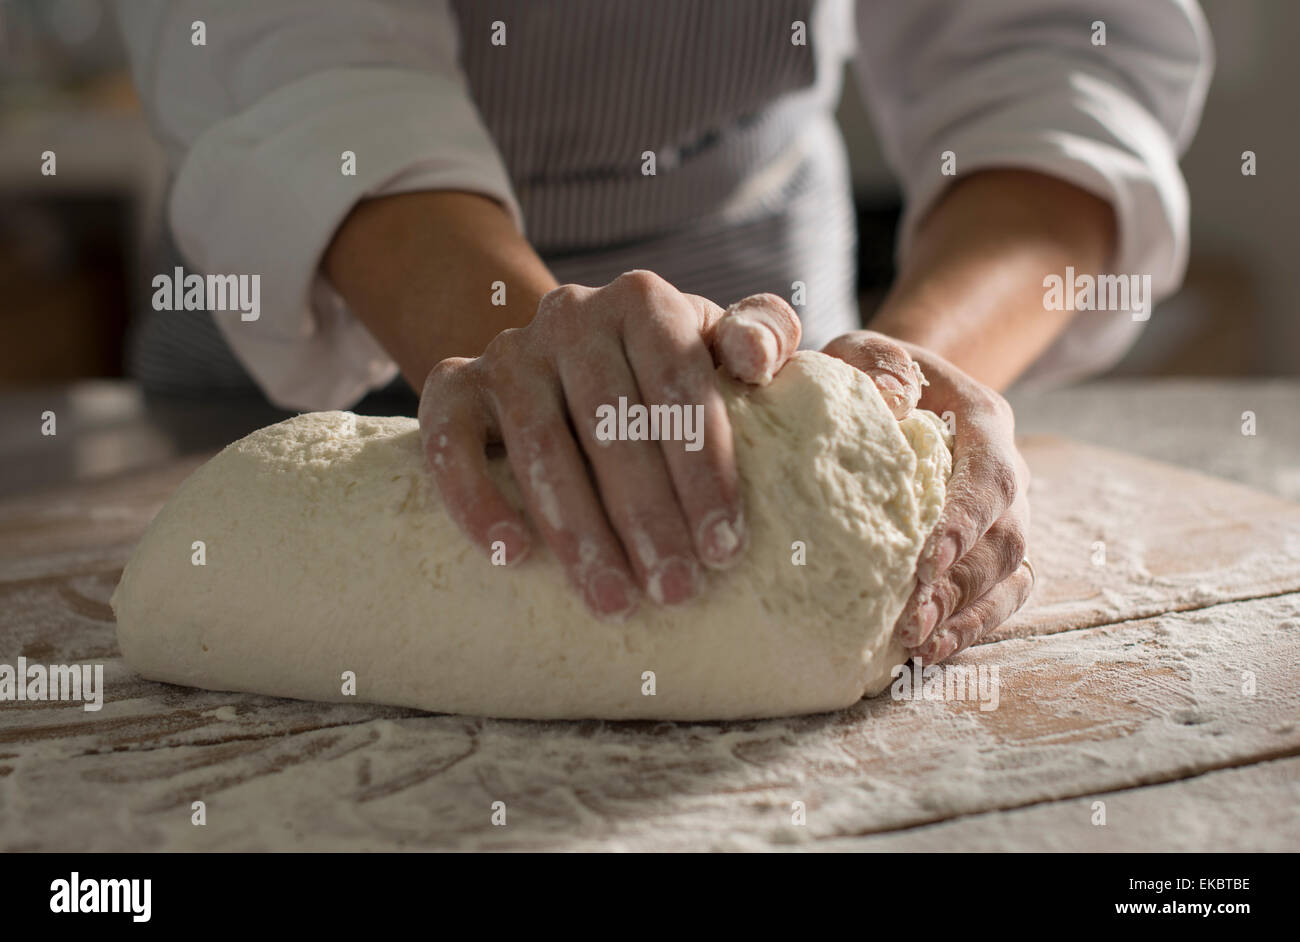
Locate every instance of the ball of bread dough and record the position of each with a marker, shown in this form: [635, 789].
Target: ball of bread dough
[327, 550]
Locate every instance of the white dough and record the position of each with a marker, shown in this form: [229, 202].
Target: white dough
[327, 550]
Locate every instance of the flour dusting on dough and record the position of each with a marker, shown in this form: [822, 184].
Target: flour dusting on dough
[329, 551]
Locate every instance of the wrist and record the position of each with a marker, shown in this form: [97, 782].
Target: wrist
[435, 274]
[972, 286]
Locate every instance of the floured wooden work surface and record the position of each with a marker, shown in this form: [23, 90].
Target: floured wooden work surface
[1161, 680]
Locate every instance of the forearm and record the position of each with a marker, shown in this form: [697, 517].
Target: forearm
[972, 287]
[418, 270]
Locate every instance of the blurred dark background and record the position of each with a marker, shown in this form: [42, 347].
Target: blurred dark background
[75, 248]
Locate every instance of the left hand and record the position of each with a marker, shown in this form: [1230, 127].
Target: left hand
[970, 576]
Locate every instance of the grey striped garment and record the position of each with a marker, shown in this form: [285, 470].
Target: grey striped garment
[751, 193]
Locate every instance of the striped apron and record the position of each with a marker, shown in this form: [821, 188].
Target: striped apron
[751, 191]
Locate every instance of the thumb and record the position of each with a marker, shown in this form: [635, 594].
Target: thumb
[754, 337]
[886, 362]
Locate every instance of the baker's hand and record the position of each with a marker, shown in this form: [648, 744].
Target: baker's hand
[969, 576]
[622, 517]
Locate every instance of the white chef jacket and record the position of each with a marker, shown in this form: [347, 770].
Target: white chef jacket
[554, 125]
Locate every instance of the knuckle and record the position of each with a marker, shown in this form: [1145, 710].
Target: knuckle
[559, 299]
[1011, 544]
[995, 404]
[501, 352]
[639, 283]
[999, 476]
[960, 523]
[1016, 546]
[555, 314]
[505, 346]
[443, 393]
[563, 316]
[445, 373]
[951, 594]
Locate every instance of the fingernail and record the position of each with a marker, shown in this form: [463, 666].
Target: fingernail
[673, 582]
[610, 594]
[937, 648]
[721, 539]
[900, 395]
[927, 617]
[890, 388]
[512, 537]
[750, 349]
[909, 630]
[930, 569]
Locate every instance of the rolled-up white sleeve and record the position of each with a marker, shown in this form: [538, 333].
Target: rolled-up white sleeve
[1020, 84]
[255, 123]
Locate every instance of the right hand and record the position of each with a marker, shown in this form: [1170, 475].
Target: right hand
[643, 514]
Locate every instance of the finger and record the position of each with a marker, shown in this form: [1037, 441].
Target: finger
[985, 481]
[674, 368]
[455, 428]
[755, 338]
[888, 364]
[631, 475]
[559, 495]
[995, 557]
[978, 619]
